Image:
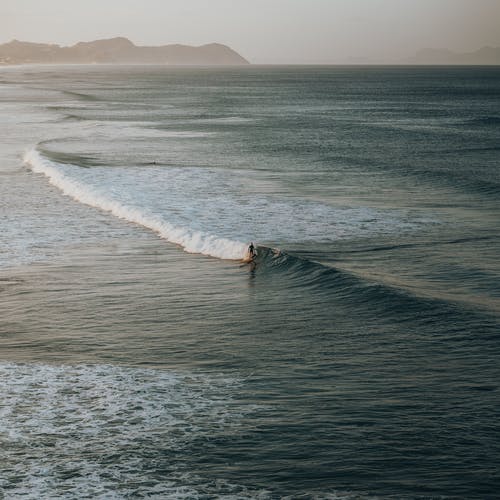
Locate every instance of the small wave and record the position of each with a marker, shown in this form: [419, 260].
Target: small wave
[223, 120]
[73, 118]
[465, 150]
[488, 186]
[397, 301]
[433, 243]
[80, 95]
[491, 121]
[72, 159]
[190, 240]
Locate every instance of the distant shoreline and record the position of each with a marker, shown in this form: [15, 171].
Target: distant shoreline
[122, 51]
[118, 50]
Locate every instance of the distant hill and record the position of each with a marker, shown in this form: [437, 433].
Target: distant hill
[117, 51]
[484, 56]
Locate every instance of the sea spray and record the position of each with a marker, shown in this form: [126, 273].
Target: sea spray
[190, 240]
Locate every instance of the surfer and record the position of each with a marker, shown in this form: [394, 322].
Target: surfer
[251, 251]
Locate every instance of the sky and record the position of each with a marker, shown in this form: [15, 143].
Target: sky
[265, 31]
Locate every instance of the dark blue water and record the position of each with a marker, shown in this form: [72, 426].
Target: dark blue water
[358, 357]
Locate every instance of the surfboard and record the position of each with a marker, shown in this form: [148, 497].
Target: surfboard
[249, 258]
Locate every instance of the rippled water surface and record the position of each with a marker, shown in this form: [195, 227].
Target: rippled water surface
[358, 357]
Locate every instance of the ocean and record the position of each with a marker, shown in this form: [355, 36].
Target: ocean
[358, 357]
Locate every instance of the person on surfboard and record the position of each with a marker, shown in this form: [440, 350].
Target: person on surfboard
[251, 251]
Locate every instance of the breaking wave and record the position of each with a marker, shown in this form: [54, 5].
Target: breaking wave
[192, 241]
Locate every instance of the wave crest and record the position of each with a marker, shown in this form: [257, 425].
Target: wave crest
[190, 240]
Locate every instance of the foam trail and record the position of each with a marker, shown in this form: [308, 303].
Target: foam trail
[190, 240]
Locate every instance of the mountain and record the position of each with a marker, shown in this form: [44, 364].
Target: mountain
[118, 50]
[483, 56]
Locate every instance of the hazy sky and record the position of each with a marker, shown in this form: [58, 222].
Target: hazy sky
[265, 31]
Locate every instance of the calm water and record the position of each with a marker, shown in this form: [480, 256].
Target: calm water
[359, 358]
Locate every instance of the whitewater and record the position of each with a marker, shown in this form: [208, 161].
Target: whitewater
[191, 241]
[215, 212]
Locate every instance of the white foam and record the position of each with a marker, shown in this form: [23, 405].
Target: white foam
[192, 241]
[112, 432]
[106, 431]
